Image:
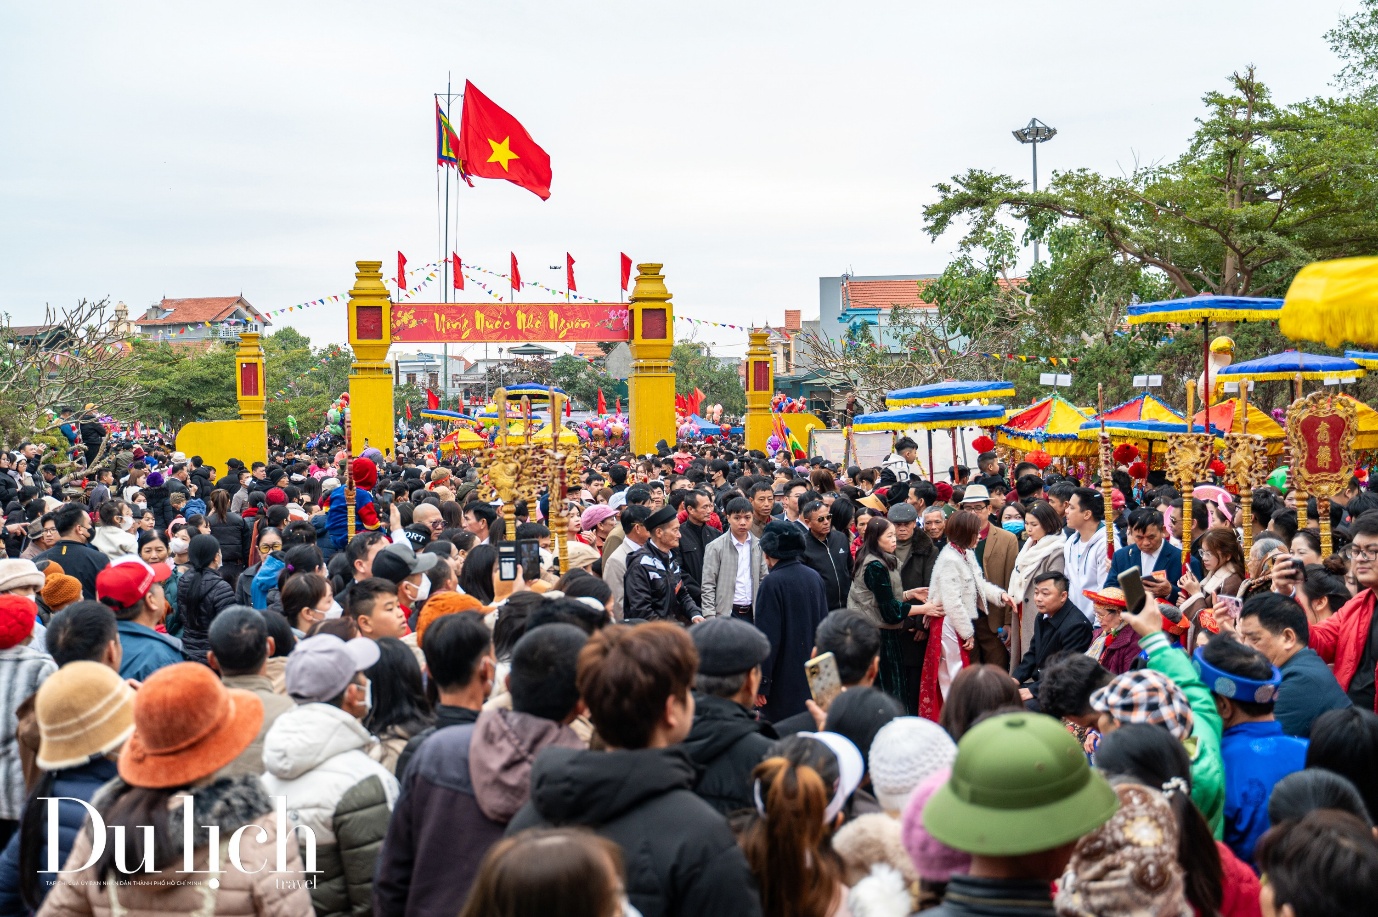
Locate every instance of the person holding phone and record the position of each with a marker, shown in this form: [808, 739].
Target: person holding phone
[1223, 560]
[1153, 554]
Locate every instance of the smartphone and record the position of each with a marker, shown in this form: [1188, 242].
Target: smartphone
[507, 561]
[1291, 568]
[529, 558]
[1133, 585]
[824, 681]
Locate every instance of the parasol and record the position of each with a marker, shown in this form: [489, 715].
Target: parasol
[1289, 364]
[1204, 309]
[1368, 359]
[947, 391]
[1332, 302]
[943, 417]
[532, 390]
[443, 414]
[1051, 425]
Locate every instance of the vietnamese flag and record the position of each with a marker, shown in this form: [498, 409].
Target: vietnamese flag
[408, 410]
[401, 273]
[432, 400]
[516, 274]
[602, 403]
[457, 270]
[569, 273]
[626, 270]
[493, 144]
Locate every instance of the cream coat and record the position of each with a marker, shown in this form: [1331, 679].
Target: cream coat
[960, 587]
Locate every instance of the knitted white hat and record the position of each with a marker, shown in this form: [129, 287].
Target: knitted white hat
[903, 753]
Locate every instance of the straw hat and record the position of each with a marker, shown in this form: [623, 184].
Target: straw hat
[83, 709]
[187, 725]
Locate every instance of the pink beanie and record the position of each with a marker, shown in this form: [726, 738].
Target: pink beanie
[933, 860]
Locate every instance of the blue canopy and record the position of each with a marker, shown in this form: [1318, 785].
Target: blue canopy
[533, 389]
[1141, 429]
[442, 414]
[1203, 308]
[947, 391]
[704, 425]
[943, 417]
[1288, 364]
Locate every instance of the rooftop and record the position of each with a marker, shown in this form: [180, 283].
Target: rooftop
[197, 311]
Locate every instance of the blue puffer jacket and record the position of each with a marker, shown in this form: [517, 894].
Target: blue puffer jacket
[75, 783]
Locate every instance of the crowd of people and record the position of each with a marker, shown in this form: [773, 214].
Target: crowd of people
[754, 685]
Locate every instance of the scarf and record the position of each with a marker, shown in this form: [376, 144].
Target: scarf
[1030, 556]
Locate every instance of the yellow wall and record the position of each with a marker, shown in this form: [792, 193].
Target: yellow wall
[219, 440]
[800, 424]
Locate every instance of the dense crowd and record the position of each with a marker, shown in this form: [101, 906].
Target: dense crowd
[754, 685]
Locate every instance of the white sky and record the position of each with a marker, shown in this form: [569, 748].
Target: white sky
[151, 149]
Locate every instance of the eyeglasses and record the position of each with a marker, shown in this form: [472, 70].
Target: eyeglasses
[1359, 552]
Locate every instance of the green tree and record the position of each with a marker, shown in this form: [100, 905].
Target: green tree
[581, 380]
[180, 384]
[696, 367]
[1262, 190]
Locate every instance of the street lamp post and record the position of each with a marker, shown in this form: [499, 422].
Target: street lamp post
[1034, 133]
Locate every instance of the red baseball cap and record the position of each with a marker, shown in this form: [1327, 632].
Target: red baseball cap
[125, 582]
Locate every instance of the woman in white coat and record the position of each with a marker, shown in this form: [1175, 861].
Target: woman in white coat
[961, 589]
[1041, 553]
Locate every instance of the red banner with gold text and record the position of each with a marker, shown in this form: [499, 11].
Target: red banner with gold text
[434, 323]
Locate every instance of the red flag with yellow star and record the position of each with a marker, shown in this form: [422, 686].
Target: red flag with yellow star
[493, 144]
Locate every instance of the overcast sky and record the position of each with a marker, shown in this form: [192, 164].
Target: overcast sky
[151, 149]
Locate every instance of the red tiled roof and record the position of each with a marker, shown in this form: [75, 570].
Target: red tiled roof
[202, 309]
[883, 294]
[792, 319]
[588, 350]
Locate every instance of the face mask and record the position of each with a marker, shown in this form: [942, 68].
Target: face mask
[1012, 525]
[179, 545]
[335, 610]
[424, 589]
[141, 506]
[128, 523]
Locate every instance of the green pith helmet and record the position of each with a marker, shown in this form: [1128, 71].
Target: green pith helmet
[1020, 784]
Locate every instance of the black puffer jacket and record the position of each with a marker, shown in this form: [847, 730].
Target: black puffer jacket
[201, 595]
[163, 513]
[726, 743]
[233, 536]
[681, 856]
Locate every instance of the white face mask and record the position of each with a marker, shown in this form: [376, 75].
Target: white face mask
[335, 610]
[424, 589]
[128, 523]
[179, 545]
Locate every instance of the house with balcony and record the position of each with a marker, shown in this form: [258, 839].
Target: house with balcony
[201, 320]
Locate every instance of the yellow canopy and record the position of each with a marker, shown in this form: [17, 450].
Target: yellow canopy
[1227, 417]
[1050, 425]
[1333, 302]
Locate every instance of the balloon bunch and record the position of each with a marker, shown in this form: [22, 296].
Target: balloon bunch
[773, 445]
[337, 416]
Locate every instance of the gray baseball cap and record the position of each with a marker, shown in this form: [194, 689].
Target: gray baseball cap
[321, 667]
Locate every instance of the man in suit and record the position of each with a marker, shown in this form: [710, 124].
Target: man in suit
[1151, 553]
[1059, 627]
[995, 552]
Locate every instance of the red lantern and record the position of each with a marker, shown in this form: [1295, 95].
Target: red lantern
[1217, 467]
[1138, 471]
[1126, 453]
[1040, 458]
[983, 444]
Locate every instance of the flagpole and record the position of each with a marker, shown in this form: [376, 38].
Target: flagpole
[445, 258]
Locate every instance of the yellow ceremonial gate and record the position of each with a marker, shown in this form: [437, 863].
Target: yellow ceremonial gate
[376, 322]
[646, 322]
